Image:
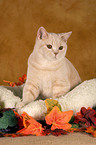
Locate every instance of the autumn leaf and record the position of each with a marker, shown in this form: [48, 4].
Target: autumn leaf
[77, 128]
[58, 132]
[87, 116]
[58, 119]
[20, 119]
[50, 103]
[55, 132]
[91, 130]
[23, 78]
[13, 84]
[31, 126]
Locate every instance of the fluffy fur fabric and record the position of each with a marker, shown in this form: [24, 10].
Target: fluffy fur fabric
[84, 95]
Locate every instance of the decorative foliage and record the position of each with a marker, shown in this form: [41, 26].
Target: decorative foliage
[87, 117]
[55, 132]
[91, 130]
[31, 126]
[56, 122]
[23, 78]
[58, 119]
[20, 120]
[13, 84]
[50, 103]
[7, 118]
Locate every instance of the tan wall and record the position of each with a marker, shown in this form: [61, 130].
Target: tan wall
[20, 19]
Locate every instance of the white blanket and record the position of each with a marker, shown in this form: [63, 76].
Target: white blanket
[84, 95]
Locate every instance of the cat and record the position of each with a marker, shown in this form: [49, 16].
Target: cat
[49, 72]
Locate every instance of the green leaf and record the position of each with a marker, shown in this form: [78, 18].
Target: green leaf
[50, 103]
[8, 119]
[72, 120]
[75, 126]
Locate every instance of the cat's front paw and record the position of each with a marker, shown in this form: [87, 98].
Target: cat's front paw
[20, 105]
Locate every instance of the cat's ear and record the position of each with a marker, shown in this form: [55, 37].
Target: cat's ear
[42, 33]
[65, 36]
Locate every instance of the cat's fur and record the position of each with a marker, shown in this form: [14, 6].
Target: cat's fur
[49, 71]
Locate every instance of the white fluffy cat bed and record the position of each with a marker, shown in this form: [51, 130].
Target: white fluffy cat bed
[84, 95]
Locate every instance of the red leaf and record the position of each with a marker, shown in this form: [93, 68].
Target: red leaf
[87, 116]
[47, 132]
[23, 78]
[58, 132]
[13, 84]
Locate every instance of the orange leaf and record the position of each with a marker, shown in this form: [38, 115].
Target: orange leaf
[26, 117]
[94, 133]
[12, 84]
[58, 119]
[91, 130]
[31, 126]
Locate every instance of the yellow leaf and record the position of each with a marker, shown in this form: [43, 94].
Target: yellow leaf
[50, 103]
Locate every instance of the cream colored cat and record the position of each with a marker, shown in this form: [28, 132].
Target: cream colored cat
[49, 72]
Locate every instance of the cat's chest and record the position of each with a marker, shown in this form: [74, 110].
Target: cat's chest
[47, 80]
[46, 84]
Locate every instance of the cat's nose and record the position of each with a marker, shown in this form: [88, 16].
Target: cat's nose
[55, 53]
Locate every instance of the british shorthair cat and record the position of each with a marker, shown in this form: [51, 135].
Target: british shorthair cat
[49, 72]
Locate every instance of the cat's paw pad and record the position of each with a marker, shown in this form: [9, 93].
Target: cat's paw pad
[20, 105]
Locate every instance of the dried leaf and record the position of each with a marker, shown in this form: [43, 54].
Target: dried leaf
[91, 130]
[46, 132]
[13, 84]
[20, 120]
[50, 103]
[58, 119]
[58, 132]
[31, 126]
[23, 78]
[87, 116]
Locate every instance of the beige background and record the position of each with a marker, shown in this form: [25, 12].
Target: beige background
[20, 19]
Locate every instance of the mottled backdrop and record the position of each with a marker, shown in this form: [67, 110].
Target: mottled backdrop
[20, 19]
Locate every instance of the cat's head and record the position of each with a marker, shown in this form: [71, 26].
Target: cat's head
[51, 46]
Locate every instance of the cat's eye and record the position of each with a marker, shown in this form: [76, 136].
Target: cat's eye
[61, 47]
[49, 46]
